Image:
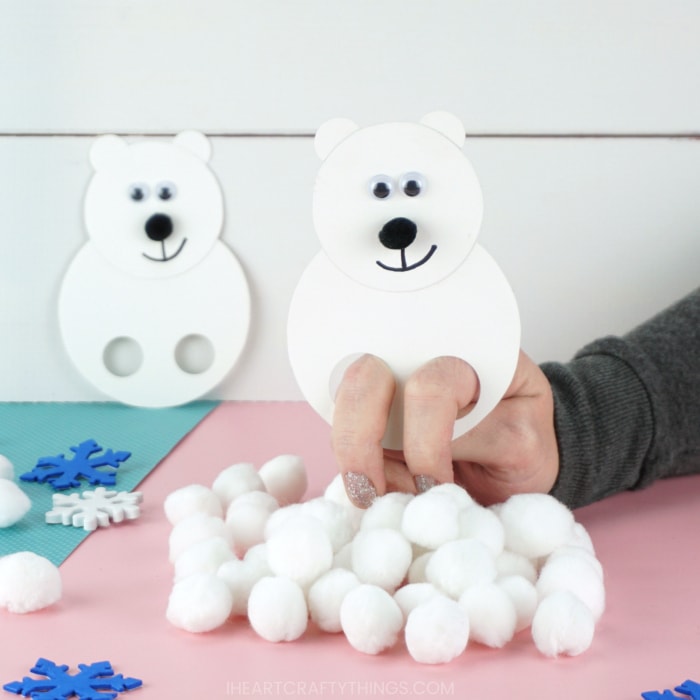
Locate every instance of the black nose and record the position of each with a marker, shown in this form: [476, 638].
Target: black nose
[398, 233]
[159, 227]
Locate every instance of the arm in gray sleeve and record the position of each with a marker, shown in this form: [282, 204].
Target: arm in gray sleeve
[627, 410]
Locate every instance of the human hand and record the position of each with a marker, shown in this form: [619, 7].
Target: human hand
[512, 450]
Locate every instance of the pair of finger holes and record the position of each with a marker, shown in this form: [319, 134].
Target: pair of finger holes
[123, 356]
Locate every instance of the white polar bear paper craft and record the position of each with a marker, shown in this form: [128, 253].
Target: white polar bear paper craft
[397, 208]
[154, 309]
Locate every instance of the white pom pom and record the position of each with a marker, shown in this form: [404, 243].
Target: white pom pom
[343, 557]
[386, 511]
[189, 500]
[335, 491]
[535, 524]
[7, 471]
[416, 572]
[430, 519]
[199, 603]
[414, 594]
[326, 596]
[28, 582]
[437, 631]
[371, 619]
[511, 564]
[277, 609]
[491, 613]
[458, 565]
[523, 596]
[581, 538]
[246, 518]
[285, 478]
[14, 503]
[195, 528]
[241, 576]
[381, 556]
[575, 551]
[562, 625]
[279, 517]
[301, 551]
[482, 524]
[336, 520]
[257, 554]
[574, 574]
[203, 557]
[236, 480]
[459, 495]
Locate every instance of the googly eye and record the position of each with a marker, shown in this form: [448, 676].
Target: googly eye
[166, 190]
[381, 186]
[412, 184]
[138, 191]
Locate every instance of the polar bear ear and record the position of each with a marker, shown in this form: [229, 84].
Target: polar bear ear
[447, 124]
[195, 142]
[105, 149]
[331, 133]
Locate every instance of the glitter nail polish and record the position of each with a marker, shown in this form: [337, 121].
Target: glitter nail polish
[359, 489]
[424, 483]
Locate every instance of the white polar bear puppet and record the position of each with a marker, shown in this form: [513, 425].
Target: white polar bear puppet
[154, 309]
[397, 208]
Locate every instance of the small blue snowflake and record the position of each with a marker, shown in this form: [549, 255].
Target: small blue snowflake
[689, 688]
[63, 473]
[59, 685]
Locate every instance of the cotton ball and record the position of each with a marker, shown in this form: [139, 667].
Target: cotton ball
[257, 554]
[199, 603]
[381, 556]
[301, 550]
[458, 565]
[416, 572]
[575, 551]
[279, 517]
[241, 576]
[430, 519]
[193, 529]
[203, 557]
[386, 511]
[236, 480]
[326, 596]
[573, 574]
[491, 612]
[562, 625]
[189, 500]
[28, 582]
[581, 538]
[335, 491]
[456, 493]
[285, 478]
[246, 518]
[437, 631]
[14, 503]
[523, 596]
[371, 619]
[535, 524]
[335, 519]
[512, 564]
[414, 594]
[277, 609]
[7, 471]
[343, 557]
[482, 524]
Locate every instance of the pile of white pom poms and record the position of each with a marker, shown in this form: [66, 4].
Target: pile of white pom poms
[437, 566]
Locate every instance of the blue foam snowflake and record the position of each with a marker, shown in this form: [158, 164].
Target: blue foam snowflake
[63, 473]
[689, 689]
[59, 685]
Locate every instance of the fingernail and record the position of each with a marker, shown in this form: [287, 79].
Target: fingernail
[424, 483]
[359, 489]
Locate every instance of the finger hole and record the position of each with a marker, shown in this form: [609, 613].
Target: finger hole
[122, 356]
[194, 354]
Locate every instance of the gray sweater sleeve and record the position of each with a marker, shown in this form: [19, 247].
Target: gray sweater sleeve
[627, 410]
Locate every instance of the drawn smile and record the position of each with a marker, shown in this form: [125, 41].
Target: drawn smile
[166, 257]
[405, 267]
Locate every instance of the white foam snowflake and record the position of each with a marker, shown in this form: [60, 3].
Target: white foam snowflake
[93, 509]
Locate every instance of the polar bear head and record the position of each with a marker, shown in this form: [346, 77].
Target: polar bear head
[153, 208]
[396, 206]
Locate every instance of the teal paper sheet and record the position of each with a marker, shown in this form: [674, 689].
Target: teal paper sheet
[29, 431]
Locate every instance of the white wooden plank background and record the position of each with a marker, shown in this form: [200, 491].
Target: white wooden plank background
[594, 233]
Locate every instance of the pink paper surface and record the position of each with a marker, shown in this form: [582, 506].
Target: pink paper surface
[116, 587]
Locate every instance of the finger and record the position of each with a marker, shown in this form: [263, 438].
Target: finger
[434, 396]
[362, 406]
